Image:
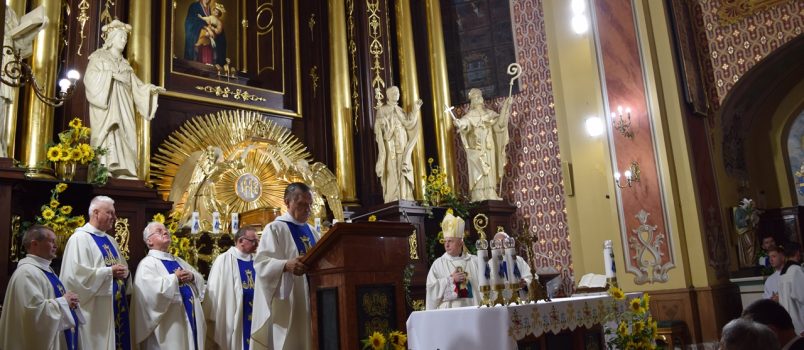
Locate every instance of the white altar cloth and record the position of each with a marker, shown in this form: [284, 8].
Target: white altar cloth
[501, 327]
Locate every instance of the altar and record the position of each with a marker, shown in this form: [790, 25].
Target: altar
[576, 322]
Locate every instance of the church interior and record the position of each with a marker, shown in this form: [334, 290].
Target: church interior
[674, 129]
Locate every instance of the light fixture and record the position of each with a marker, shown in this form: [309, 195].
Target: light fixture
[594, 126]
[632, 174]
[579, 22]
[17, 73]
[622, 125]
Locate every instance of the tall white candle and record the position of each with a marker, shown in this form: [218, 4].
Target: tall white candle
[509, 262]
[608, 259]
[235, 222]
[494, 266]
[482, 255]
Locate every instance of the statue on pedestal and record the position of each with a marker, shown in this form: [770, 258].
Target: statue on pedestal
[396, 133]
[18, 36]
[115, 95]
[484, 135]
[746, 220]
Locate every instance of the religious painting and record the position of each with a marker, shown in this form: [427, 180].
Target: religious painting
[233, 52]
[687, 58]
[479, 43]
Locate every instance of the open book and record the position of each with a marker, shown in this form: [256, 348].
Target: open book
[591, 280]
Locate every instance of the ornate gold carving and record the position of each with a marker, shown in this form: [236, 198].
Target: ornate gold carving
[480, 221]
[375, 47]
[122, 235]
[350, 8]
[311, 24]
[375, 305]
[16, 252]
[414, 246]
[244, 26]
[266, 27]
[248, 187]
[314, 78]
[225, 92]
[83, 16]
[647, 244]
[106, 15]
[733, 11]
[246, 143]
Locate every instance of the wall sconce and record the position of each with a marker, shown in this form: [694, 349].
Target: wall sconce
[631, 175]
[17, 73]
[622, 125]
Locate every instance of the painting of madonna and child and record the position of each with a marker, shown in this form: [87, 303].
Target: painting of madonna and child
[205, 34]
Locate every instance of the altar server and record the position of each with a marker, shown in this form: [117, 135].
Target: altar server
[39, 313]
[228, 302]
[167, 297]
[453, 277]
[93, 268]
[281, 298]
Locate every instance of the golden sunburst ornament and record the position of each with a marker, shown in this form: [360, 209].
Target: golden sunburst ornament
[231, 162]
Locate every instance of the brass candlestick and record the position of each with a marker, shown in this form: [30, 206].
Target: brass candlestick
[514, 287]
[486, 299]
[499, 298]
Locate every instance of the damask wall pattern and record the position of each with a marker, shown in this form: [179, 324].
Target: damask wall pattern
[533, 179]
[737, 44]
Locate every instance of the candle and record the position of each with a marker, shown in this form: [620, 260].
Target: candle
[216, 222]
[482, 256]
[494, 266]
[235, 222]
[608, 259]
[510, 260]
[195, 227]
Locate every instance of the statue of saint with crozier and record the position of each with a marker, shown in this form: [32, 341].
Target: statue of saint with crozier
[17, 37]
[484, 136]
[115, 95]
[746, 220]
[396, 133]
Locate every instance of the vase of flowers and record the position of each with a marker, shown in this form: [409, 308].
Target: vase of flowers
[56, 216]
[73, 149]
[438, 192]
[631, 327]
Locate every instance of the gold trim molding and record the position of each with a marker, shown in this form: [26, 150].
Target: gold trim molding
[376, 48]
[314, 79]
[122, 235]
[224, 92]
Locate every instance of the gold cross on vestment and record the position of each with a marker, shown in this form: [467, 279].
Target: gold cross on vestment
[306, 241]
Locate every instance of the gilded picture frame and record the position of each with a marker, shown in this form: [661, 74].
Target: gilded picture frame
[237, 53]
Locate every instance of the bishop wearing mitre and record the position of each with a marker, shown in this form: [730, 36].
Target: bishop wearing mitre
[453, 277]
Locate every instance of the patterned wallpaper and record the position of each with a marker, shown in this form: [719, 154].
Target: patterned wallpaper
[533, 180]
[737, 42]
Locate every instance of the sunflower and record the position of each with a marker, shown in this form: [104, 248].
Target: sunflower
[376, 341]
[66, 210]
[622, 329]
[173, 226]
[646, 301]
[54, 153]
[76, 123]
[64, 155]
[398, 338]
[59, 220]
[79, 220]
[184, 243]
[85, 132]
[445, 190]
[372, 218]
[159, 218]
[76, 154]
[638, 326]
[616, 293]
[48, 214]
[54, 203]
[636, 306]
[61, 187]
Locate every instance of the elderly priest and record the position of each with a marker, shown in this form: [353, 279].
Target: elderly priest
[167, 297]
[38, 312]
[281, 299]
[229, 299]
[452, 281]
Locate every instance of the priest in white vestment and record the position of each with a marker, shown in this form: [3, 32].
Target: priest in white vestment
[167, 312]
[229, 299]
[38, 312]
[791, 293]
[453, 277]
[281, 298]
[93, 268]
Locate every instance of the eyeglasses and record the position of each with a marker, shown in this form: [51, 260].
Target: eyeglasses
[252, 240]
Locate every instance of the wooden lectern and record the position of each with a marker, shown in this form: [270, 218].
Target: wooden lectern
[355, 275]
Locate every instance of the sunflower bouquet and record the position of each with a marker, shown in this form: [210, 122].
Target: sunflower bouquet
[438, 192]
[58, 217]
[635, 327]
[179, 246]
[73, 148]
[395, 340]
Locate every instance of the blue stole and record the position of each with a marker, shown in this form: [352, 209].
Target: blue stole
[186, 298]
[120, 304]
[302, 236]
[58, 289]
[247, 281]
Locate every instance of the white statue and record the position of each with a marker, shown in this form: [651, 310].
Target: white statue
[396, 133]
[484, 135]
[114, 93]
[18, 36]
